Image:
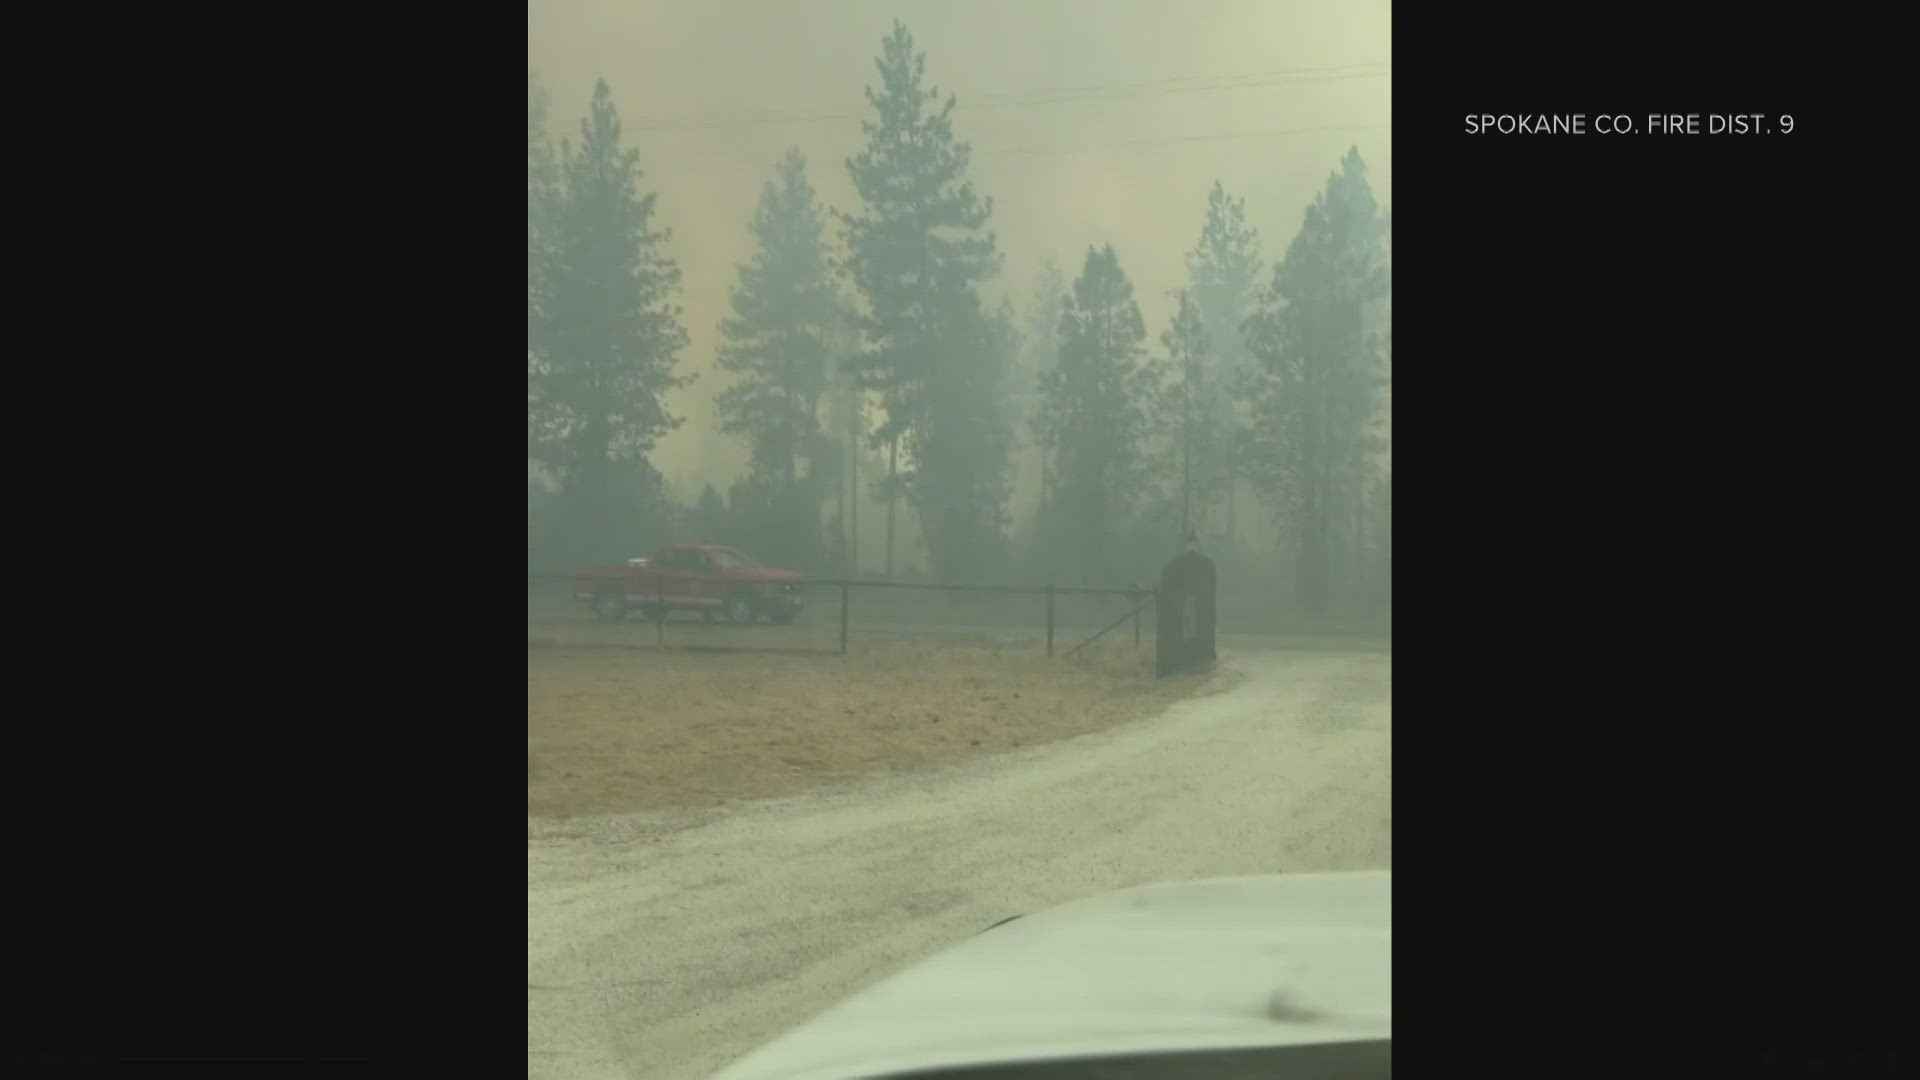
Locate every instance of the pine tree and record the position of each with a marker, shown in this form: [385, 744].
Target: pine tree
[1095, 415]
[542, 179]
[1378, 546]
[605, 336]
[780, 343]
[710, 517]
[542, 173]
[1043, 347]
[917, 252]
[1003, 405]
[540, 186]
[847, 419]
[1225, 271]
[1186, 412]
[1318, 381]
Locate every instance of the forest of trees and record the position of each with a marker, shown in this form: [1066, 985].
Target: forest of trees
[863, 362]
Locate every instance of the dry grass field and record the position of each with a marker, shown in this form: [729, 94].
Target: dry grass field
[622, 727]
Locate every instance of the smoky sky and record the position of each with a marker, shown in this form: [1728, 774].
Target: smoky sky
[1091, 121]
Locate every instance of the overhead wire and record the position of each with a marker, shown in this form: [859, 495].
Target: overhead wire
[1173, 139]
[666, 124]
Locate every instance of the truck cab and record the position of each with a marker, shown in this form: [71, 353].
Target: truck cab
[712, 579]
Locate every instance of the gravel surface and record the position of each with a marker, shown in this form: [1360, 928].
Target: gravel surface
[668, 944]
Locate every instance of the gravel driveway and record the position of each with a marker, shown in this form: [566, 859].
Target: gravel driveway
[666, 946]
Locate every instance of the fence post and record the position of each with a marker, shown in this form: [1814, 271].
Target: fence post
[660, 609]
[1049, 621]
[845, 593]
[1133, 597]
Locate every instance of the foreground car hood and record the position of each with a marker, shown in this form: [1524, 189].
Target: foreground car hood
[1234, 962]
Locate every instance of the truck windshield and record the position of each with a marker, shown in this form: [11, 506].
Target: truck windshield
[729, 559]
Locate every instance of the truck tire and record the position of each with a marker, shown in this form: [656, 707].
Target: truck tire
[739, 608]
[610, 604]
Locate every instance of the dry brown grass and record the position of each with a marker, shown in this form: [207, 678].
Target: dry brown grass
[619, 729]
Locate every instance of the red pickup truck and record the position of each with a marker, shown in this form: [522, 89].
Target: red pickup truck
[707, 578]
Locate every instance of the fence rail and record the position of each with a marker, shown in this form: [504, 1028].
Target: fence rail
[896, 616]
[869, 583]
[1140, 605]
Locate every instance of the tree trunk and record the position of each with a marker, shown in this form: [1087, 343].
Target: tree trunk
[1313, 564]
[893, 495]
[1314, 508]
[1229, 454]
[1088, 540]
[1233, 524]
[1041, 510]
[1361, 561]
[840, 523]
[1089, 549]
[1186, 458]
[1330, 554]
[852, 517]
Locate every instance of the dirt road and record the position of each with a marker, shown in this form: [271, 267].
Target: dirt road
[666, 946]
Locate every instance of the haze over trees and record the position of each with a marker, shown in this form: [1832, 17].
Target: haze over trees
[880, 357]
[604, 336]
[1380, 572]
[542, 176]
[1318, 387]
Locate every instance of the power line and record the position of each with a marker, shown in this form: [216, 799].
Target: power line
[1152, 143]
[1181, 90]
[1269, 74]
[861, 114]
[984, 99]
[664, 124]
[1169, 140]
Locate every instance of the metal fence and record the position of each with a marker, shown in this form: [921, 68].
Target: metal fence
[836, 615]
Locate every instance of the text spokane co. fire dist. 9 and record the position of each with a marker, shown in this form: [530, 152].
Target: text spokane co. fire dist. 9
[1622, 124]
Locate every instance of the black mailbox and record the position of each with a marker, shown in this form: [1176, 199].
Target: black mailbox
[1184, 615]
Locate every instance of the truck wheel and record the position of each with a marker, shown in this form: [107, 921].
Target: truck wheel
[610, 605]
[739, 608]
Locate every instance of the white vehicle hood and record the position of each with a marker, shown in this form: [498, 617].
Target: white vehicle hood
[1226, 963]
